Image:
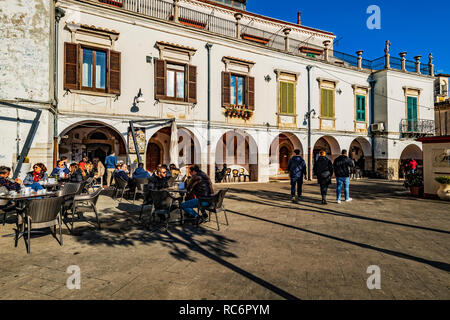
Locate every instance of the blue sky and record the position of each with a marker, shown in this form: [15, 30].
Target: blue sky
[417, 27]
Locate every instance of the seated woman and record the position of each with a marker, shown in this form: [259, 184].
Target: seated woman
[39, 173]
[122, 173]
[61, 170]
[76, 174]
[99, 169]
[89, 170]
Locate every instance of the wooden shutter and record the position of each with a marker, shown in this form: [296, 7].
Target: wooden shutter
[290, 98]
[114, 72]
[160, 79]
[72, 72]
[226, 83]
[327, 109]
[324, 104]
[283, 97]
[250, 88]
[191, 79]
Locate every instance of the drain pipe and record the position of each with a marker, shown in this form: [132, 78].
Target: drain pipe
[208, 47]
[372, 83]
[309, 122]
[59, 13]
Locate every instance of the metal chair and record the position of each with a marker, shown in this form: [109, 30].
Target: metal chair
[40, 213]
[120, 185]
[91, 201]
[236, 175]
[140, 184]
[228, 175]
[68, 192]
[215, 205]
[171, 181]
[5, 205]
[162, 204]
[242, 173]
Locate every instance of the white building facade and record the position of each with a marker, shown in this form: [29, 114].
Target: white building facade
[237, 85]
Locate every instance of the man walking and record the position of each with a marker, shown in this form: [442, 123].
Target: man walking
[110, 164]
[323, 170]
[342, 165]
[297, 169]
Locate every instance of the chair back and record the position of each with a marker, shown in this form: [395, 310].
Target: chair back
[140, 183]
[161, 200]
[95, 195]
[228, 171]
[120, 182]
[235, 173]
[241, 171]
[70, 188]
[171, 181]
[219, 197]
[44, 210]
[3, 190]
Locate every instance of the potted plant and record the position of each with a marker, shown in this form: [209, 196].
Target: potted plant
[444, 188]
[414, 181]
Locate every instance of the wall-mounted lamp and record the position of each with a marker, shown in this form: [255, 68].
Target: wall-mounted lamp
[137, 99]
[307, 114]
[339, 91]
[267, 78]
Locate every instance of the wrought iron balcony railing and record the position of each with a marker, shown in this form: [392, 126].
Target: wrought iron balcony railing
[417, 127]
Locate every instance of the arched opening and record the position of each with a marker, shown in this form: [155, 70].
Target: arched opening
[91, 139]
[281, 150]
[158, 149]
[330, 145]
[412, 151]
[237, 149]
[360, 151]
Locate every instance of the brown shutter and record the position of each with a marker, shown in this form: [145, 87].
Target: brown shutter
[114, 72]
[250, 88]
[160, 79]
[71, 66]
[192, 84]
[226, 82]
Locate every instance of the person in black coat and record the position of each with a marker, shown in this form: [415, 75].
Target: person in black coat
[342, 165]
[76, 173]
[323, 170]
[297, 170]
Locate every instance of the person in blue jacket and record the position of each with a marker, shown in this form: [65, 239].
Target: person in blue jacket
[141, 173]
[297, 170]
[60, 169]
[110, 164]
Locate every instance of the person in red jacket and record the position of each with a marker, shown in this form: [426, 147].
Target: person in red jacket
[413, 165]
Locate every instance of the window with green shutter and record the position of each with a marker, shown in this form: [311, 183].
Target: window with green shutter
[327, 108]
[360, 108]
[412, 113]
[287, 97]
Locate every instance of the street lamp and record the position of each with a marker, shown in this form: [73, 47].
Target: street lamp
[137, 99]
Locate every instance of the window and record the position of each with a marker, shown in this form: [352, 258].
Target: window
[287, 97]
[412, 113]
[176, 82]
[238, 91]
[95, 70]
[327, 104]
[360, 108]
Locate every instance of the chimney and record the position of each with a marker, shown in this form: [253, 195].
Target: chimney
[299, 20]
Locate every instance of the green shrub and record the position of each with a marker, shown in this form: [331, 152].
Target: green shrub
[413, 180]
[443, 179]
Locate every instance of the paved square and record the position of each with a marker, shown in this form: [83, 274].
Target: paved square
[272, 249]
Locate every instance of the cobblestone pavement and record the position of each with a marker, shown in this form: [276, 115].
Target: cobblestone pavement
[272, 249]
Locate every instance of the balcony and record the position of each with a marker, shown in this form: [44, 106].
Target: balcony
[417, 128]
[164, 9]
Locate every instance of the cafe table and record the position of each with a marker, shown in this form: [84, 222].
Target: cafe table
[182, 193]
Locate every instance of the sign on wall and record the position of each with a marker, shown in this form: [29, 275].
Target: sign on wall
[140, 138]
[441, 158]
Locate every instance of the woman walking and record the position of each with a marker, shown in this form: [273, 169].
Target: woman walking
[323, 169]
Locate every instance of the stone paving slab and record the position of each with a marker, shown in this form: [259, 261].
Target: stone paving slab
[272, 249]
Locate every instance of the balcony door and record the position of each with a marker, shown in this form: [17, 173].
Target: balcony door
[412, 114]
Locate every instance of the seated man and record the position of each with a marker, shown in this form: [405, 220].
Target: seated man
[157, 181]
[122, 173]
[140, 172]
[60, 170]
[199, 186]
[6, 182]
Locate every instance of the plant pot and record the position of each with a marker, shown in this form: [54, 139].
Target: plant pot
[416, 191]
[444, 192]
